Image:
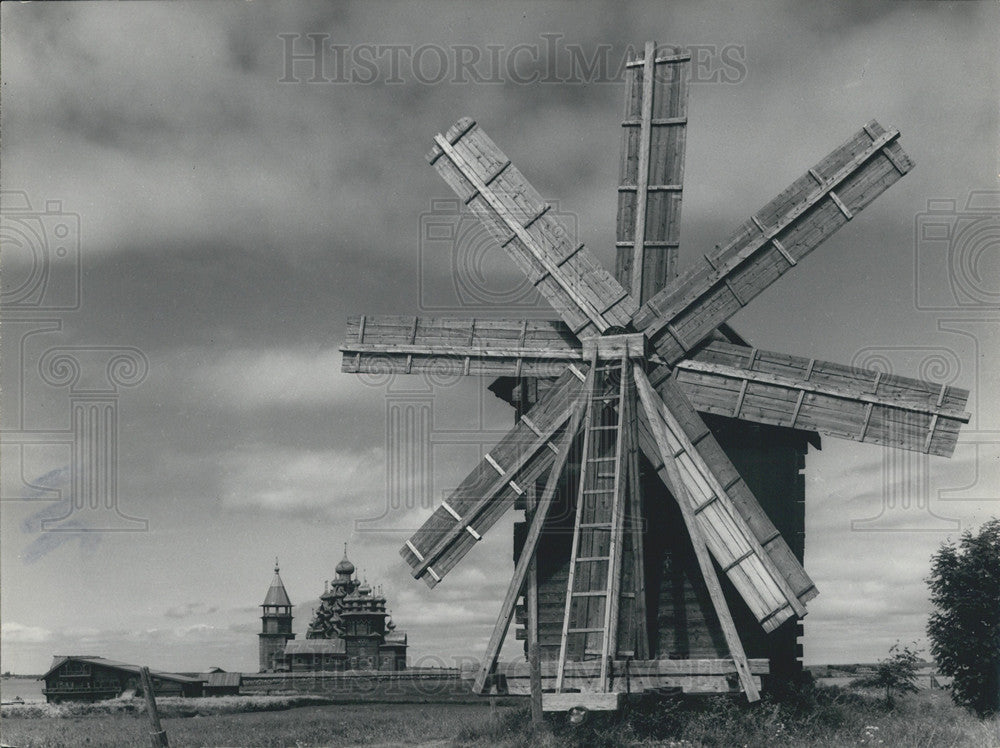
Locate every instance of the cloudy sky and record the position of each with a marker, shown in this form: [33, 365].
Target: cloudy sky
[177, 198]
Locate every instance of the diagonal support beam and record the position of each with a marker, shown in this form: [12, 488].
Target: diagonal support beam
[527, 556]
[684, 500]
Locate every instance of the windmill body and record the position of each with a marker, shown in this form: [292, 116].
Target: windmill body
[610, 457]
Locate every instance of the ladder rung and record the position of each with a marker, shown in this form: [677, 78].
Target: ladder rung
[583, 525]
[591, 593]
[605, 428]
[602, 459]
[593, 558]
[604, 397]
[599, 490]
[599, 630]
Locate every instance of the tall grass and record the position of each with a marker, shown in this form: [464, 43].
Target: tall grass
[167, 706]
[806, 716]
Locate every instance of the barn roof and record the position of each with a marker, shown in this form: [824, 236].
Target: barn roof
[223, 679]
[59, 660]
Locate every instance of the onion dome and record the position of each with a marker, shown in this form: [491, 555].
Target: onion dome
[345, 567]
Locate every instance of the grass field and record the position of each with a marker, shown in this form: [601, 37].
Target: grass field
[823, 718]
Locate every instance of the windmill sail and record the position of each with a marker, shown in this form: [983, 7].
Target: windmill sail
[651, 175]
[772, 241]
[582, 292]
[833, 399]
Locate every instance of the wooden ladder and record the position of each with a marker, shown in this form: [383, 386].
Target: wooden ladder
[590, 621]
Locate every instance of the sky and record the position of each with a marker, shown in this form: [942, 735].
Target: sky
[188, 222]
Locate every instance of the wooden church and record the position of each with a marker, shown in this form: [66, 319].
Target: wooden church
[657, 456]
[351, 629]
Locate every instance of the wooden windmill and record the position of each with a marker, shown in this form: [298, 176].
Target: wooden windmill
[618, 383]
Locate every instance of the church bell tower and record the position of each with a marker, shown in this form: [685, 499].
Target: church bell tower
[276, 622]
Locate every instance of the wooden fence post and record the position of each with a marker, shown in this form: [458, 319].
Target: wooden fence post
[536, 683]
[158, 736]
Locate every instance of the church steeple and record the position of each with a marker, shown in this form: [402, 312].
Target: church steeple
[276, 621]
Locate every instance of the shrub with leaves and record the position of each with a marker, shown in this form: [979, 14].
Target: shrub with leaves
[964, 628]
[897, 674]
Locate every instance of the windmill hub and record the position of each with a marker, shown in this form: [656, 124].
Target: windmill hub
[630, 345]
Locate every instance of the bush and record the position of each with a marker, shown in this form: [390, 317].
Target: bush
[897, 674]
[964, 629]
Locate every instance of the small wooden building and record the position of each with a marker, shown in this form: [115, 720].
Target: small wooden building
[86, 678]
[221, 683]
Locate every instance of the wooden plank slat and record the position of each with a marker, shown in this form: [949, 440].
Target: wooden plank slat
[748, 262]
[742, 498]
[691, 676]
[590, 700]
[592, 668]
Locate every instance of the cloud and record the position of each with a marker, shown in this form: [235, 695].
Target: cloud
[16, 633]
[249, 379]
[278, 480]
[189, 609]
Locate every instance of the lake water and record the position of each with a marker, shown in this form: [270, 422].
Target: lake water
[28, 689]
